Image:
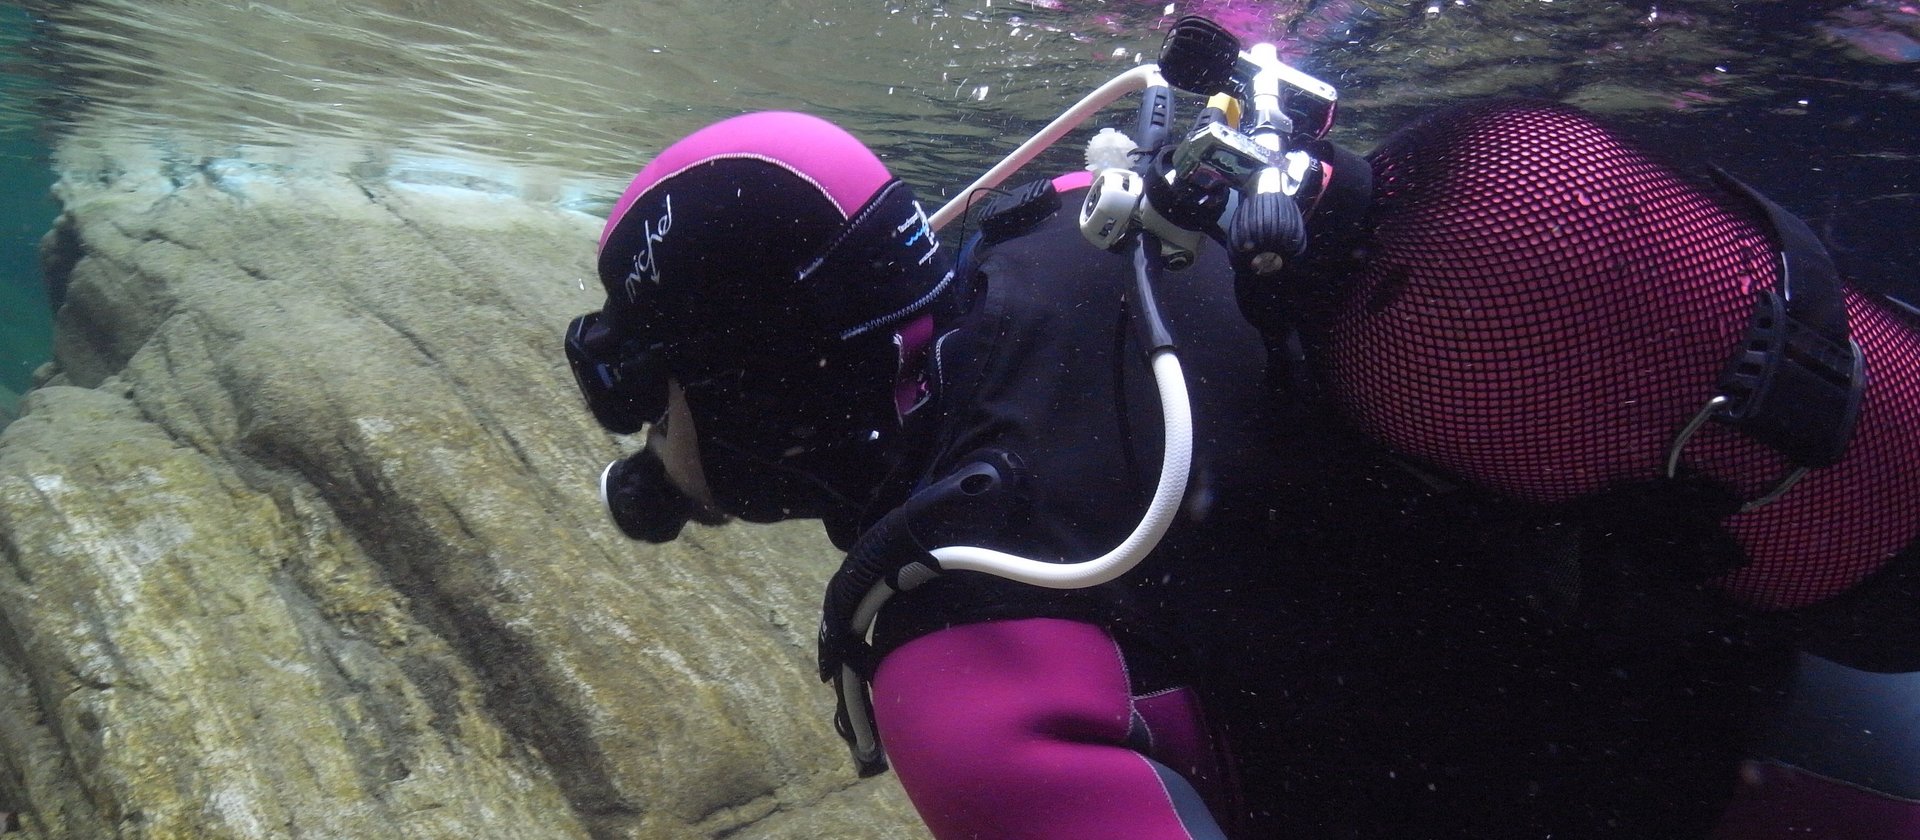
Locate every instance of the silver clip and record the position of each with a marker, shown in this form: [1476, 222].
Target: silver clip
[1686, 433]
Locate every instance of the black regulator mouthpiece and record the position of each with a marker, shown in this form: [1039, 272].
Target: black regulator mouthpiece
[1199, 56]
[645, 505]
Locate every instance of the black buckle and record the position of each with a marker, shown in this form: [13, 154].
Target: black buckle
[890, 558]
[1792, 386]
[1796, 381]
[1019, 210]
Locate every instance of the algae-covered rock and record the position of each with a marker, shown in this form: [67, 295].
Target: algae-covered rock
[211, 658]
[308, 545]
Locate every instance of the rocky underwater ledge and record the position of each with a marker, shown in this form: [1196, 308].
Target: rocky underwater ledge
[300, 539]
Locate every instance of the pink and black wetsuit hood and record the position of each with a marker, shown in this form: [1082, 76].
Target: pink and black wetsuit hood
[768, 263]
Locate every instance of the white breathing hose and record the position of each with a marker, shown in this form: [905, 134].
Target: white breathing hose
[1176, 458]
[1138, 78]
[1175, 463]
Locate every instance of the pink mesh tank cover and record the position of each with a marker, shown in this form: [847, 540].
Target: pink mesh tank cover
[1545, 306]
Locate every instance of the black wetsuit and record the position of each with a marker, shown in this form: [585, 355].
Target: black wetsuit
[1358, 641]
[1041, 365]
[1383, 656]
[1046, 364]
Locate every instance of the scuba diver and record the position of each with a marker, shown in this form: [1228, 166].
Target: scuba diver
[781, 316]
[1540, 491]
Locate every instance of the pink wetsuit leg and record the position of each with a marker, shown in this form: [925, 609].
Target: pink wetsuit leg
[1781, 802]
[1840, 762]
[1028, 729]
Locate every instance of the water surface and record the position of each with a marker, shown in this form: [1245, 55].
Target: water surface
[1814, 102]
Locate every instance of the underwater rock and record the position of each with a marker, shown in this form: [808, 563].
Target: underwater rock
[303, 540]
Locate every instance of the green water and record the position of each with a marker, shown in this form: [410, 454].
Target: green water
[26, 176]
[558, 102]
[28, 334]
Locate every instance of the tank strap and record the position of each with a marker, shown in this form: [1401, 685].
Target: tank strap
[1796, 382]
